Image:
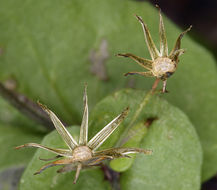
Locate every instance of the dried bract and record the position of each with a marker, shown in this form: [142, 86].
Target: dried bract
[83, 154]
[163, 64]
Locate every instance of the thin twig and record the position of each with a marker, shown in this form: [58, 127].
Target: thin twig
[26, 106]
[154, 86]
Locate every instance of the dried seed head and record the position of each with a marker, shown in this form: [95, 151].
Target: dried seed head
[162, 65]
[82, 154]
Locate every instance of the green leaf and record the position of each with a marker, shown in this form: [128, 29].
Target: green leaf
[14, 130]
[46, 47]
[193, 89]
[173, 165]
[49, 179]
[10, 137]
[177, 156]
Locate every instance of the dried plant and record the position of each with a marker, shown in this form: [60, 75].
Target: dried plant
[83, 154]
[162, 65]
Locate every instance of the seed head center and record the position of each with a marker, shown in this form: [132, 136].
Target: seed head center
[162, 65]
[82, 153]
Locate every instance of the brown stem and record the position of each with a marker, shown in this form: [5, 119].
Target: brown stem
[155, 85]
[26, 106]
[112, 176]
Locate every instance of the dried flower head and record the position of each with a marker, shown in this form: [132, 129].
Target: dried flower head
[83, 154]
[162, 65]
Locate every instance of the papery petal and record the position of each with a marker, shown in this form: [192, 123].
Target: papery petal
[147, 64]
[56, 163]
[121, 152]
[78, 170]
[151, 46]
[68, 139]
[178, 41]
[62, 152]
[101, 136]
[163, 39]
[84, 125]
[145, 74]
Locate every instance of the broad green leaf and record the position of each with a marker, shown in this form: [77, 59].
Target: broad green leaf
[12, 136]
[47, 45]
[177, 156]
[193, 89]
[14, 130]
[49, 179]
[173, 165]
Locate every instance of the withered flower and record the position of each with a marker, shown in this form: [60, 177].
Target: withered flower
[83, 154]
[162, 65]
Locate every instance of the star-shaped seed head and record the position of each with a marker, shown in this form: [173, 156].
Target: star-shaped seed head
[162, 64]
[83, 154]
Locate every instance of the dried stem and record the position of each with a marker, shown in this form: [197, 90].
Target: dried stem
[154, 86]
[112, 176]
[26, 106]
